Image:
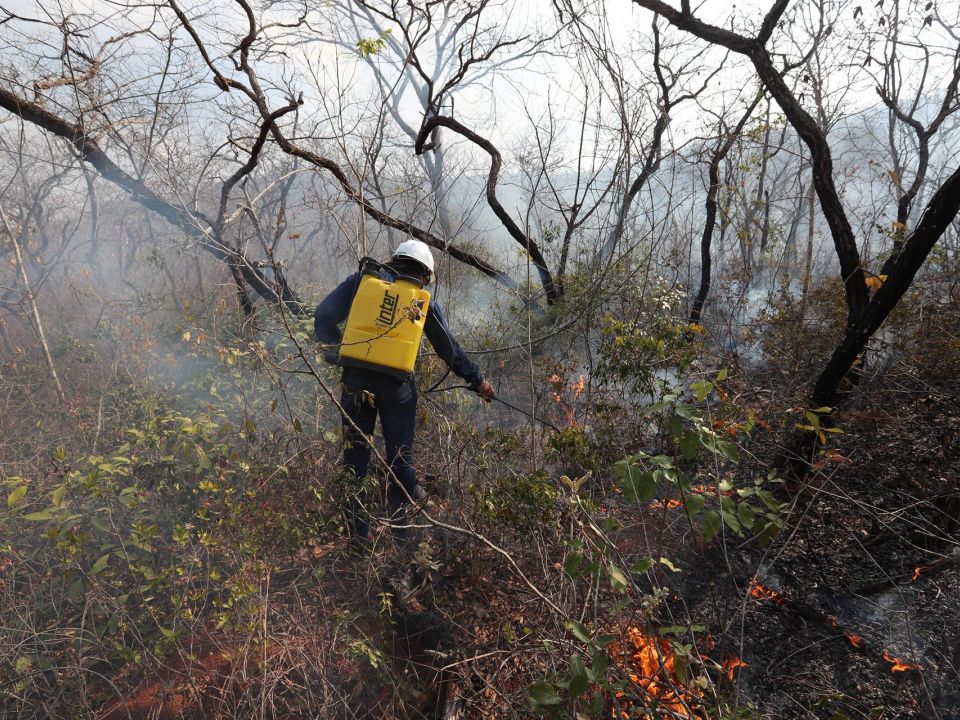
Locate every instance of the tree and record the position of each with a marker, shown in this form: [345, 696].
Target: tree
[865, 313]
[725, 141]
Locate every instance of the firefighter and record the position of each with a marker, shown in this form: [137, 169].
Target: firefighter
[382, 305]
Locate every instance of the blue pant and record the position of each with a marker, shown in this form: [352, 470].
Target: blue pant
[366, 394]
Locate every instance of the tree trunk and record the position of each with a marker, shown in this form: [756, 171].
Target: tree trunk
[940, 212]
[808, 259]
[35, 313]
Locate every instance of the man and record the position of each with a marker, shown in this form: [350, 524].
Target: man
[369, 390]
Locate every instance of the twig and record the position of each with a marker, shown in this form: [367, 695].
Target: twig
[38, 326]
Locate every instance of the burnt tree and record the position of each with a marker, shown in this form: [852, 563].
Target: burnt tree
[865, 314]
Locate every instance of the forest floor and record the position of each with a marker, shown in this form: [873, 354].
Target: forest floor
[853, 611]
[857, 615]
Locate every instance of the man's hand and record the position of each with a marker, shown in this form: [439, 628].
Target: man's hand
[331, 356]
[485, 390]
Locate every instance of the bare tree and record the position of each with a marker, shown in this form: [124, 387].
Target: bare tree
[725, 141]
[865, 314]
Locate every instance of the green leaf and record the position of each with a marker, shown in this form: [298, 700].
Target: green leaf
[577, 629]
[722, 375]
[40, 515]
[641, 566]
[730, 450]
[638, 487]
[571, 564]
[689, 444]
[768, 533]
[693, 504]
[662, 461]
[731, 521]
[702, 389]
[100, 524]
[687, 412]
[618, 581]
[75, 589]
[711, 525]
[578, 676]
[100, 564]
[16, 495]
[769, 500]
[746, 514]
[57, 495]
[542, 694]
[600, 661]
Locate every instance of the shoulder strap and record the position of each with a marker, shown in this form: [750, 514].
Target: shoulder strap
[369, 266]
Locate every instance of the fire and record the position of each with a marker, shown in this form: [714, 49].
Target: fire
[654, 671]
[759, 591]
[898, 665]
[669, 504]
[916, 574]
[730, 665]
[578, 387]
[854, 640]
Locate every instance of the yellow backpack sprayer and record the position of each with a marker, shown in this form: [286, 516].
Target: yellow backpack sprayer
[385, 323]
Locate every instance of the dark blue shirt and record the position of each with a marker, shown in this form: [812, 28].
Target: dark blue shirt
[334, 308]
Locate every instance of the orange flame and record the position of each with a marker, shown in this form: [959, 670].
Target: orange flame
[654, 671]
[916, 574]
[854, 640]
[759, 591]
[731, 664]
[578, 387]
[669, 504]
[898, 665]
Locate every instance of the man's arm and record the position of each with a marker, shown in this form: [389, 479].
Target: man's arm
[333, 310]
[449, 350]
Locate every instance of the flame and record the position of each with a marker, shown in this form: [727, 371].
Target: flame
[916, 574]
[654, 671]
[731, 664]
[898, 665]
[854, 640]
[669, 504]
[578, 387]
[759, 591]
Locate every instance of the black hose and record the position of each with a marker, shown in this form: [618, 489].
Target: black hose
[435, 388]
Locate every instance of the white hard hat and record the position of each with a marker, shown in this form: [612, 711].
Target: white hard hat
[415, 250]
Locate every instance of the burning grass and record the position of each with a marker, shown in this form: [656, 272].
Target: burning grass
[898, 665]
[654, 669]
[763, 593]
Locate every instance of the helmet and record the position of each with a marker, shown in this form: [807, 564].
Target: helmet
[415, 250]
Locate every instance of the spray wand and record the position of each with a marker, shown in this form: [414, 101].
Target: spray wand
[436, 388]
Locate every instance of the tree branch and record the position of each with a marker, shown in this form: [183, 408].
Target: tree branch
[496, 161]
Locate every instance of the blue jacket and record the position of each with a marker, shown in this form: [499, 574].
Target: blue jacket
[334, 308]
